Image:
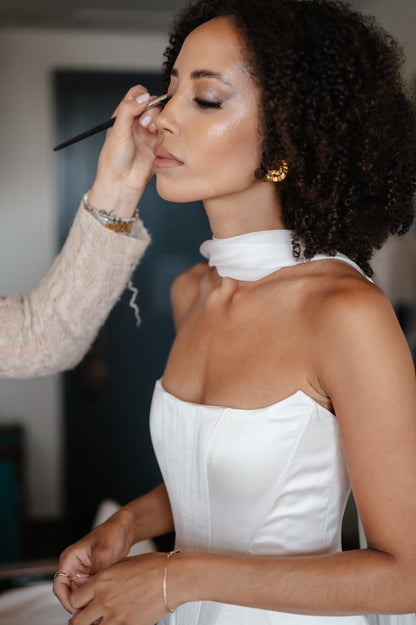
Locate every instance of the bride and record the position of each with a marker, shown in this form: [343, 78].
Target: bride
[289, 378]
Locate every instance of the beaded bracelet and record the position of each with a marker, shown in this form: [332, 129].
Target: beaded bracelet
[165, 577]
[109, 219]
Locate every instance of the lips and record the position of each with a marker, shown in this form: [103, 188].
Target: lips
[164, 159]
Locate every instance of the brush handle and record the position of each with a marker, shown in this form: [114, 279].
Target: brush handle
[87, 133]
[104, 125]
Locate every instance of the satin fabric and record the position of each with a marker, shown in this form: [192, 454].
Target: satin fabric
[270, 481]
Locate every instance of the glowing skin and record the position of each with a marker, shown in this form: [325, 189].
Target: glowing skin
[209, 143]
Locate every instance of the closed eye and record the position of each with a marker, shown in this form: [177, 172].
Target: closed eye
[207, 104]
[204, 104]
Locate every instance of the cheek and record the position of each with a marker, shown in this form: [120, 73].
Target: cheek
[230, 145]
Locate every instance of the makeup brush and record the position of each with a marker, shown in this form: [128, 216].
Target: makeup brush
[105, 125]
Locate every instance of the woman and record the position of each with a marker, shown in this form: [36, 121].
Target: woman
[52, 328]
[287, 378]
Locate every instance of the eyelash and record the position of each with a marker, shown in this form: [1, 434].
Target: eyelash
[203, 104]
[207, 104]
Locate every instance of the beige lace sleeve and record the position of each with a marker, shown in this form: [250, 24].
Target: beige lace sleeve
[51, 329]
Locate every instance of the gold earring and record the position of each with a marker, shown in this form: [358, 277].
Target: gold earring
[277, 175]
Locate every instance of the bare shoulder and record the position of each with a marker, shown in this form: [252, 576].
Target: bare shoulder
[184, 291]
[334, 300]
[353, 306]
[358, 339]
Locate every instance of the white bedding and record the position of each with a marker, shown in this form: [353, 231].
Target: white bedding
[36, 604]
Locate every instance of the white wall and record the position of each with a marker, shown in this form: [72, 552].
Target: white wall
[28, 211]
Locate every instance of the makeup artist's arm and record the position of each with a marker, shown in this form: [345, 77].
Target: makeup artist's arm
[51, 329]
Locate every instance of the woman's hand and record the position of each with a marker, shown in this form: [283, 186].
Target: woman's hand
[129, 592]
[125, 165]
[106, 544]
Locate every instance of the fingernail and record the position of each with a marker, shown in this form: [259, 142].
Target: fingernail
[146, 121]
[81, 575]
[143, 98]
[153, 127]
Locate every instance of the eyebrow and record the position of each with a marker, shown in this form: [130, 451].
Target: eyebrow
[203, 73]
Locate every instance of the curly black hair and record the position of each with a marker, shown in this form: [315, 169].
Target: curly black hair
[335, 107]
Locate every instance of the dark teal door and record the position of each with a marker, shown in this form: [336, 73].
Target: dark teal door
[107, 448]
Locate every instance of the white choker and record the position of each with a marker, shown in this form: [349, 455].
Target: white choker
[253, 256]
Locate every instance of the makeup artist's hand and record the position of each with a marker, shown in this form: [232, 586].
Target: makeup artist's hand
[106, 544]
[128, 592]
[125, 165]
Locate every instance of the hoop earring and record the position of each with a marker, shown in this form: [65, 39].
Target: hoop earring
[277, 175]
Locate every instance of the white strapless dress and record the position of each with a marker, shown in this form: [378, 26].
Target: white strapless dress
[266, 481]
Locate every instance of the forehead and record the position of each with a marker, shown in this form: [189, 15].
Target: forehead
[215, 45]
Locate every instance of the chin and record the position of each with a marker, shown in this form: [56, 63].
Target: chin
[172, 192]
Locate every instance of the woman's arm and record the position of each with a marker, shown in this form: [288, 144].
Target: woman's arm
[52, 328]
[150, 515]
[145, 517]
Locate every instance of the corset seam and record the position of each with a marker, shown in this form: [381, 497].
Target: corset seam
[282, 481]
[207, 467]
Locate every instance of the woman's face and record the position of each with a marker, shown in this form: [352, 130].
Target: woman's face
[209, 143]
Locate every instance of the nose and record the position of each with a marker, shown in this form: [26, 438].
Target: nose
[168, 119]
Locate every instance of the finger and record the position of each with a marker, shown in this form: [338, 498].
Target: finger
[62, 590]
[148, 117]
[128, 112]
[81, 578]
[135, 92]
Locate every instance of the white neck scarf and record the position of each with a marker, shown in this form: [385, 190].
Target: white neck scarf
[253, 256]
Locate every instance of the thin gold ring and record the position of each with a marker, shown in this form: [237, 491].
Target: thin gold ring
[64, 573]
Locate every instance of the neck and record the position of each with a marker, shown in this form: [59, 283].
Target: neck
[252, 210]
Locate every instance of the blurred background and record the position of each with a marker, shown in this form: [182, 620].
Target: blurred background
[69, 442]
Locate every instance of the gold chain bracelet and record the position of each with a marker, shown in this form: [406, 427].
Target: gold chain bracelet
[165, 578]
